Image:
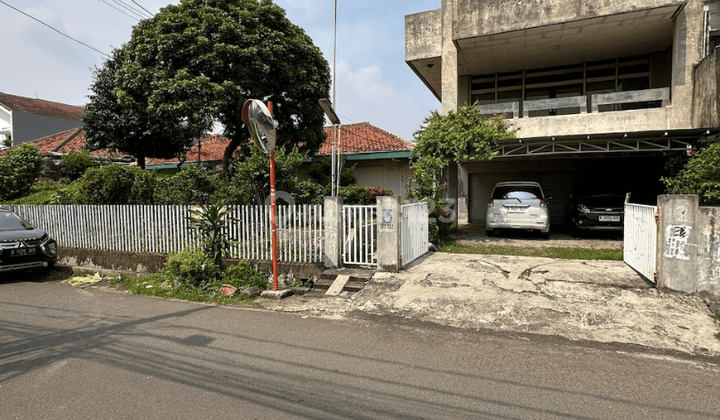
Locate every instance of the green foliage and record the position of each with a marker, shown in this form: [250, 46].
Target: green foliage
[200, 60]
[130, 127]
[19, 169]
[252, 175]
[8, 142]
[210, 222]
[242, 276]
[362, 195]
[39, 195]
[321, 172]
[443, 140]
[190, 269]
[113, 184]
[74, 164]
[309, 192]
[700, 176]
[195, 185]
[561, 253]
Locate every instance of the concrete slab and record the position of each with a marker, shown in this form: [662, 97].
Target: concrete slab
[601, 301]
[337, 287]
[276, 294]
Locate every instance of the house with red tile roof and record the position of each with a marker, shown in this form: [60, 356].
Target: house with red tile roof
[380, 158]
[25, 119]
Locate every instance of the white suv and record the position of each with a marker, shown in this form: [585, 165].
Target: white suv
[518, 205]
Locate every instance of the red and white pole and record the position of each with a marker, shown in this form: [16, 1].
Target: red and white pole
[273, 212]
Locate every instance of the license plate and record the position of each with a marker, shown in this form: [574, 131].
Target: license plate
[22, 252]
[516, 209]
[609, 218]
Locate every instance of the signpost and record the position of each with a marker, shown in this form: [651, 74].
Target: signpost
[262, 126]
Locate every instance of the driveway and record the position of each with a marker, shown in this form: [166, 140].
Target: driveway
[598, 301]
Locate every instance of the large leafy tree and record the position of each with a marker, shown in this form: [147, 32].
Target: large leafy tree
[128, 127]
[197, 62]
[448, 139]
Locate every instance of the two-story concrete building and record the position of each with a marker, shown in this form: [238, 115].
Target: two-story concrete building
[598, 91]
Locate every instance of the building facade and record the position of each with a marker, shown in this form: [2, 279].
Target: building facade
[25, 119]
[597, 91]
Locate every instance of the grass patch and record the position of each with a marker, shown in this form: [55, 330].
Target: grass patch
[453, 247]
[39, 195]
[152, 286]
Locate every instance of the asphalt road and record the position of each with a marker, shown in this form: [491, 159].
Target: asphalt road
[69, 353]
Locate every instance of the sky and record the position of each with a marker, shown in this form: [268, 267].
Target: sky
[373, 82]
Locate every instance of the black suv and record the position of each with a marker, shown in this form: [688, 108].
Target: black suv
[23, 247]
[598, 211]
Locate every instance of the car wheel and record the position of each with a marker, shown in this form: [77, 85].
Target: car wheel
[574, 232]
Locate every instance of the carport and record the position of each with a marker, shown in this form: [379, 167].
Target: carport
[632, 162]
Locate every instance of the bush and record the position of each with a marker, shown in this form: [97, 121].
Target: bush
[309, 192]
[74, 164]
[362, 195]
[116, 184]
[39, 195]
[242, 276]
[190, 268]
[195, 185]
[19, 170]
[700, 176]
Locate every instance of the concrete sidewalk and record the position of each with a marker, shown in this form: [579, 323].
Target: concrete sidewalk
[600, 301]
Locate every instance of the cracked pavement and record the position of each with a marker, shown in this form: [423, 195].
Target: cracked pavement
[598, 301]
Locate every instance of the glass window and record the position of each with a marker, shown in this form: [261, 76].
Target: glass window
[9, 221]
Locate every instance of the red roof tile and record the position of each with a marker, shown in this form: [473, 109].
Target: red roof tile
[211, 149]
[41, 107]
[65, 142]
[363, 138]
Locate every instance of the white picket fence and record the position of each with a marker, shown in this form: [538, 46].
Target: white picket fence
[414, 231]
[640, 244]
[165, 229]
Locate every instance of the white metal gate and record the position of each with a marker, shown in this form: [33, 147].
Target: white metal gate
[414, 231]
[359, 235]
[639, 249]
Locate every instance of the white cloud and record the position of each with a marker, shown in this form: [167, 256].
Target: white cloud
[365, 95]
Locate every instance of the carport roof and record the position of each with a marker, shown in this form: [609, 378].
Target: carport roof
[610, 144]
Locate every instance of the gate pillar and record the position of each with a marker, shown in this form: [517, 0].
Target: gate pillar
[332, 220]
[389, 239]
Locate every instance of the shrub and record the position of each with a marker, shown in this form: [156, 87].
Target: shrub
[19, 170]
[116, 184]
[195, 185]
[362, 195]
[190, 268]
[242, 276]
[74, 164]
[309, 192]
[700, 176]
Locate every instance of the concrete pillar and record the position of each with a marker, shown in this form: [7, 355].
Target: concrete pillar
[678, 239]
[389, 239]
[449, 60]
[332, 221]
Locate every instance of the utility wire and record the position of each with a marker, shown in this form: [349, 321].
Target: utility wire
[148, 12]
[61, 33]
[132, 9]
[121, 11]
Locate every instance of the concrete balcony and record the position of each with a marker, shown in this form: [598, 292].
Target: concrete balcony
[578, 115]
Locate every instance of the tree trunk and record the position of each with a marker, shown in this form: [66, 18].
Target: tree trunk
[141, 160]
[227, 156]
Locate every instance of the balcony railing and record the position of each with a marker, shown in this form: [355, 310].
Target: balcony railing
[661, 95]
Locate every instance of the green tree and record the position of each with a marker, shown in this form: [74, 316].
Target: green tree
[199, 61]
[701, 176]
[252, 176]
[112, 184]
[19, 169]
[74, 164]
[129, 127]
[445, 140]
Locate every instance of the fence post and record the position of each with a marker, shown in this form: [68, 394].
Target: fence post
[389, 240]
[332, 219]
[678, 237]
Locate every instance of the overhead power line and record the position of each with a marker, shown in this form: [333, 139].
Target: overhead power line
[148, 12]
[120, 10]
[61, 33]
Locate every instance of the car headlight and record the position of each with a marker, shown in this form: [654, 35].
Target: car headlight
[49, 248]
[583, 208]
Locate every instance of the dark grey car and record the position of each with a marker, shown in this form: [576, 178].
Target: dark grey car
[23, 247]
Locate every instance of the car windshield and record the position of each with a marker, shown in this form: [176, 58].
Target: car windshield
[10, 221]
[522, 193]
[603, 200]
